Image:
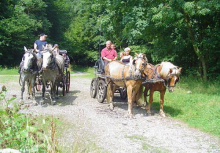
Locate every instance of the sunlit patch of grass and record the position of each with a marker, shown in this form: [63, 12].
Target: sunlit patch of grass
[9, 71]
[195, 103]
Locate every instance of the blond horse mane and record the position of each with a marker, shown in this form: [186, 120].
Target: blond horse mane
[165, 70]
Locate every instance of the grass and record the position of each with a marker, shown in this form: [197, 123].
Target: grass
[9, 71]
[194, 102]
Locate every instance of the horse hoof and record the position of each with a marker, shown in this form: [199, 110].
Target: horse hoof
[162, 114]
[111, 106]
[148, 114]
[21, 101]
[131, 116]
[35, 103]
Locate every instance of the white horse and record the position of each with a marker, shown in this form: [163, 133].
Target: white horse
[28, 73]
[52, 70]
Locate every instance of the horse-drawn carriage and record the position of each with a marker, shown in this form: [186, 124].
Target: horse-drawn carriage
[62, 82]
[54, 72]
[132, 80]
[98, 86]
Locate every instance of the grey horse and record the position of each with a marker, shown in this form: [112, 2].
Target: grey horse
[28, 73]
[52, 70]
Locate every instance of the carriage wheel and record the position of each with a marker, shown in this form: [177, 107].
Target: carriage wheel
[123, 93]
[93, 88]
[101, 91]
[64, 89]
[67, 81]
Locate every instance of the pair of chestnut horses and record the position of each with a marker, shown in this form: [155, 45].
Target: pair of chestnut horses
[131, 77]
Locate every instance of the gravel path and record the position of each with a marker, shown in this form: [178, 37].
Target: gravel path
[112, 131]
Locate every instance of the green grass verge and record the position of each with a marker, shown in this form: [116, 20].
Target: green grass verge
[194, 102]
[9, 71]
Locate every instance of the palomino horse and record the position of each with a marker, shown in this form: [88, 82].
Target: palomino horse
[28, 73]
[52, 70]
[160, 77]
[127, 76]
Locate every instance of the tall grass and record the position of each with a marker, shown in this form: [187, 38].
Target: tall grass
[194, 102]
[9, 71]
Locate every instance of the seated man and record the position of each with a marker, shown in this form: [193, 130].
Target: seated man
[108, 54]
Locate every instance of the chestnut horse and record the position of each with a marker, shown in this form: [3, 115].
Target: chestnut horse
[127, 76]
[160, 77]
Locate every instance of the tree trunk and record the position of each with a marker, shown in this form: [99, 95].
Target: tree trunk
[195, 47]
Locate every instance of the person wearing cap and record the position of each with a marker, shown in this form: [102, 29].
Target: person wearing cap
[38, 44]
[56, 50]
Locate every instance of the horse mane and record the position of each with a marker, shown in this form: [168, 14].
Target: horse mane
[165, 70]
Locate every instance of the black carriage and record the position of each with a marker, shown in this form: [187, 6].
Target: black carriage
[63, 82]
[98, 86]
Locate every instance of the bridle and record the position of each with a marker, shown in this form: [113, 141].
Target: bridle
[52, 63]
[31, 65]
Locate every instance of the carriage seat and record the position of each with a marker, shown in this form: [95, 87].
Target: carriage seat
[99, 65]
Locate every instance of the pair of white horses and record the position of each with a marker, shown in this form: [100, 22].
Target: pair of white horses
[52, 71]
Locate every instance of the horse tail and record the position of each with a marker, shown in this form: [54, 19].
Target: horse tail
[139, 96]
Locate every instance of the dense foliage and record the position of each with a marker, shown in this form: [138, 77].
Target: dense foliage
[185, 32]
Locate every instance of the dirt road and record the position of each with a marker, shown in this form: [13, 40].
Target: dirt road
[97, 129]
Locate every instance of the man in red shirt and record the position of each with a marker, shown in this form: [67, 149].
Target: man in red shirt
[108, 54]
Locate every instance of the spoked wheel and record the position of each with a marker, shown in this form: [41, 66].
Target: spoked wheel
[67, 81]
[64, 89]
[38, 83]
[93, 88]
[123, 93]
[101, 91]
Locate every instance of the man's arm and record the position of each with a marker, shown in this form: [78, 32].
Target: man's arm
[35, 47]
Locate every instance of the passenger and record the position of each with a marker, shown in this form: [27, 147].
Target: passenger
[56, 50]
[127, 58]
[66, 60]
[108, 54]
[113, 46]
[122, 53]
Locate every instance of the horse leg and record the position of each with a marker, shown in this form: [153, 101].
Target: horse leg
[53, 87]
[110, 95]
[138, 96]
[145, 94]
[43, 93]
[33, 90]
[162, 93]
[22, 92]
[148, 107]
[130, 102]
[29, 89]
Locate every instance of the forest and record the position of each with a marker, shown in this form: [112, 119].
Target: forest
[184, 32]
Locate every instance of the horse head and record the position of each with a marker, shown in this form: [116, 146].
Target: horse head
[171, 74]
[28, 59]
[139, 63]
[48, 58]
